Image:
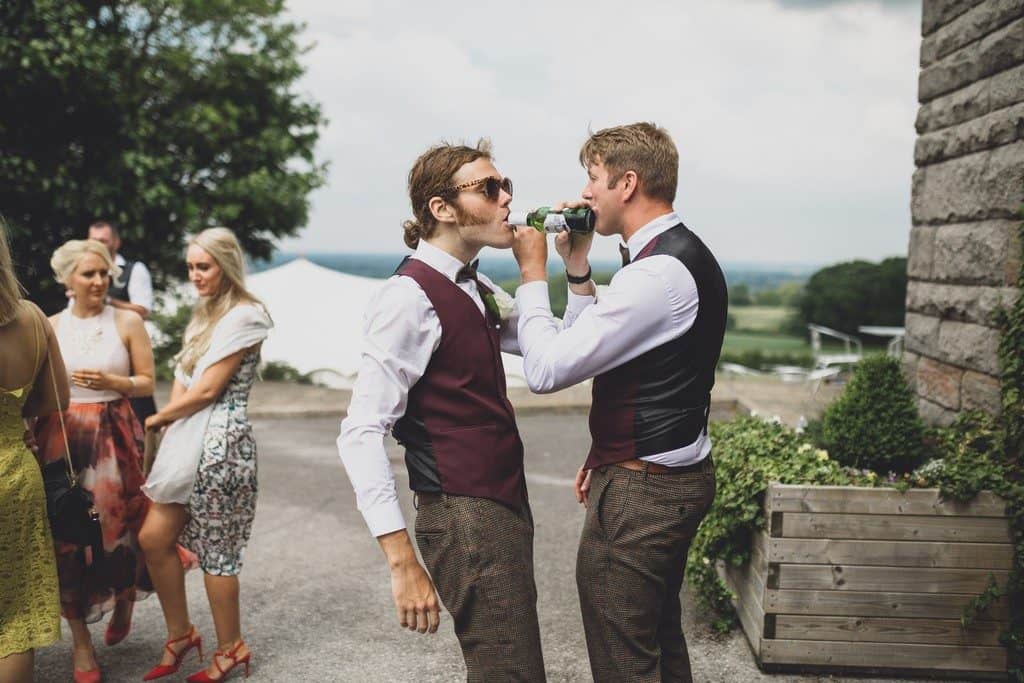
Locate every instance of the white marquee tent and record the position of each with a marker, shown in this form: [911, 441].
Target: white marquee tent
[318, 321]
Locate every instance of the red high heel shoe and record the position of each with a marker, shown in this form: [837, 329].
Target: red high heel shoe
[203, 677]
[161, 670]
[90, 676]
[114, 634]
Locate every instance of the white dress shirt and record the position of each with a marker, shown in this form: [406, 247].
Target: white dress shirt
[400, 334]
[648, 303]
[140, 284]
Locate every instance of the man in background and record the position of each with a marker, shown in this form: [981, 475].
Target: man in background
[133, 291]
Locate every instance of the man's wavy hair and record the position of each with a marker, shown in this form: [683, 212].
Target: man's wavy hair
[430, 175]
[644, 148]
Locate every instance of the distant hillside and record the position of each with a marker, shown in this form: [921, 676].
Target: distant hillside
[384, 265]
[755, 276]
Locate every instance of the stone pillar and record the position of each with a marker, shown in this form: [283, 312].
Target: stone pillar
[967, 192]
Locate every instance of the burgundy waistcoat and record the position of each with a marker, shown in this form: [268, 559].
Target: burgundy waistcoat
[660, 400]
[459, 429]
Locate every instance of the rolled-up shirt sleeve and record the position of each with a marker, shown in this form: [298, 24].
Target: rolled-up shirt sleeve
[140, 286]
[401, 332]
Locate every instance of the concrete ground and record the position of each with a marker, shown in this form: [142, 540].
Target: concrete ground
[316, 594]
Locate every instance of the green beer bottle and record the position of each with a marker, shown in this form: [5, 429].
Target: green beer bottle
[579, 220]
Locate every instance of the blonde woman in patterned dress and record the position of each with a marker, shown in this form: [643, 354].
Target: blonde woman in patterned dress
[29, 597]
[109, 359]
[203, 482]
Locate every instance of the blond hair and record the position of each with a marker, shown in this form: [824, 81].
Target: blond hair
[644, 148]
[429, 177]
[65, 259]
[223, 247]
[10, 290]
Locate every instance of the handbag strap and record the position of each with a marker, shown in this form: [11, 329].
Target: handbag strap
[60, 414]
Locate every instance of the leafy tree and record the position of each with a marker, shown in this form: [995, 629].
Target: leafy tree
[790, 293]
[786, 294]
[768, 297]
[855, 293]
[167, 340]
[164, 116]
[739, 295]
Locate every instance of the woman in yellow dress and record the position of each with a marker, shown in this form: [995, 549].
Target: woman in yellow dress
[29, 599]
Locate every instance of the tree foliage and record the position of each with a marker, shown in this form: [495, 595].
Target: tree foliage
[164, 116]
[846, 295]
[786, 294]
[739, 295]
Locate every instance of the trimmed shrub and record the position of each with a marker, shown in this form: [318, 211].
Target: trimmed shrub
[279, 371]
[874, 423]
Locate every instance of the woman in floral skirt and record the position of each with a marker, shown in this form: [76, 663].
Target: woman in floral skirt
[109, 359]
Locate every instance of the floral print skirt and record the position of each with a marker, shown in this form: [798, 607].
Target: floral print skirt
[105, 441]
[223, 502]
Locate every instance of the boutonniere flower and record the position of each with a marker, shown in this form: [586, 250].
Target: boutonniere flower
[499, 306]
[491, 304]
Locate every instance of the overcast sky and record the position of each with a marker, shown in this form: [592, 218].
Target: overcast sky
[794, 118]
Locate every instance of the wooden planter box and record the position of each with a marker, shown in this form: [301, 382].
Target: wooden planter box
[849, 579]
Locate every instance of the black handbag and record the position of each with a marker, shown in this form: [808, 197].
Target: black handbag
[70, 508]
[73, 518]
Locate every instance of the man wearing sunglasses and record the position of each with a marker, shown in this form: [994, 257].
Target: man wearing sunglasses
[651, 342]
[431, 373]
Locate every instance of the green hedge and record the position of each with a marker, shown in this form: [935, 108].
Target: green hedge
[749, 453]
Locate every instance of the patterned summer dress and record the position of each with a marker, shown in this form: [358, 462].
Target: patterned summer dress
[106, 448]
[223, 502]
[29, 605]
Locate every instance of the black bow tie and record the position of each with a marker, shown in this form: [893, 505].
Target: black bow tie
[467, 272]
[624, 253]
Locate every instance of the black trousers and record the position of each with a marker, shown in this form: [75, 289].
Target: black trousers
[143, 407]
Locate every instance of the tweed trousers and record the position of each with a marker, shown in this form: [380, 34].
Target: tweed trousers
[480, 556]
[629, 570]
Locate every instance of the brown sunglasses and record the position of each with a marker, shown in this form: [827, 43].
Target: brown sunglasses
[490, 186]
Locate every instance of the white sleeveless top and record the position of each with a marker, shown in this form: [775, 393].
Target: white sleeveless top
[92, 344]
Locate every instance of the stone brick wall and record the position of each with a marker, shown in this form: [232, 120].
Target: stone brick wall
[967, 190]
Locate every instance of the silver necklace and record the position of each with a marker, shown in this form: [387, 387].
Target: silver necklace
[85, 334]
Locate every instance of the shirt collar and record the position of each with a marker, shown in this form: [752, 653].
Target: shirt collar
[438, 259]
[644, 235]
[119, 260]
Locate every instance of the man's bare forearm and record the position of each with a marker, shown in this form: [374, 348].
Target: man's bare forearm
[397, 548]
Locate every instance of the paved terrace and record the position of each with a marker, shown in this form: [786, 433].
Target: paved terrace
[316, 592]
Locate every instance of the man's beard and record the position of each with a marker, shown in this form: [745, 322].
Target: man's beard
[468, 218]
